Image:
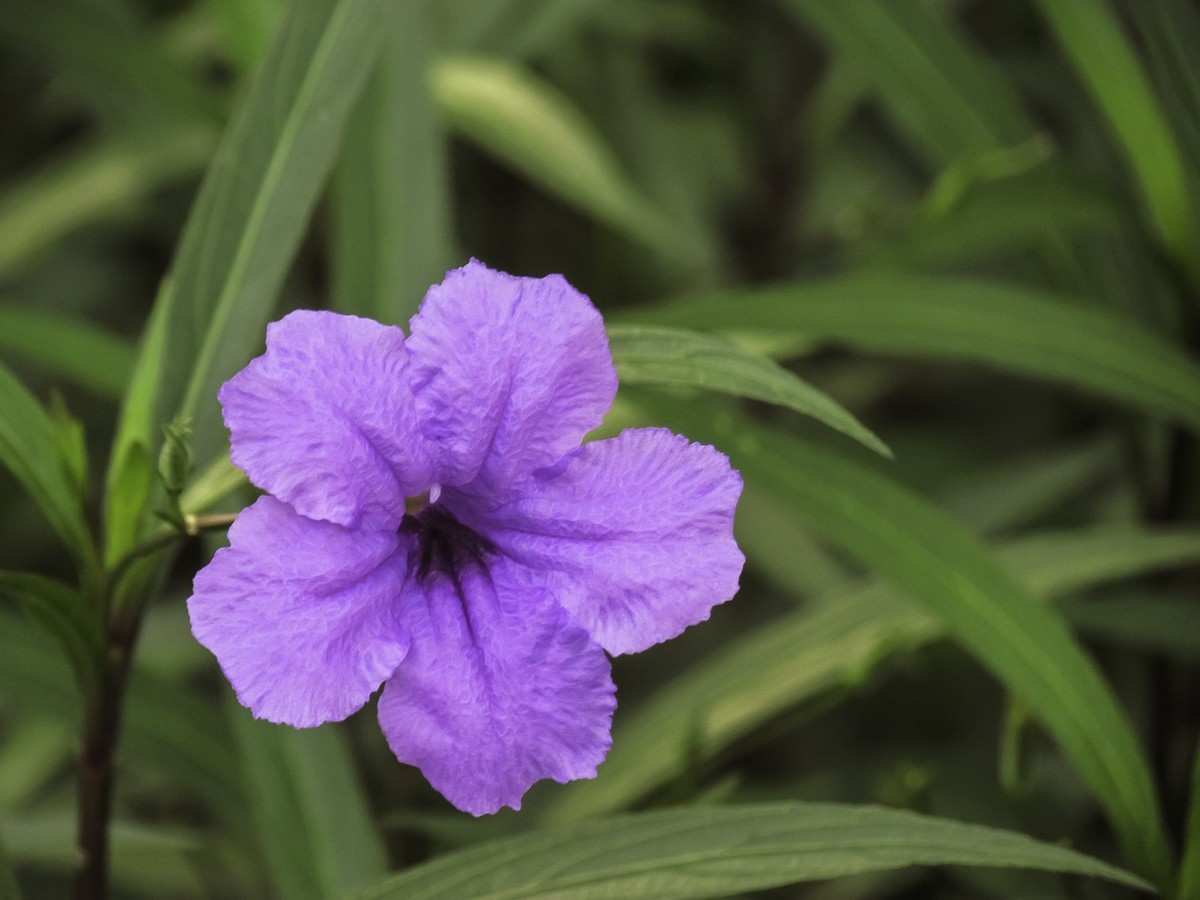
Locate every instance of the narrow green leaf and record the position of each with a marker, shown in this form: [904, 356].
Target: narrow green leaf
[719, 851]
[28, 449]
[247, 26]
[245, 227]
[1189, 873]
[529, 124]
[1096, 42]
[830, 646]
[61, 610]
[678, 358]
[391, 190]
[308, 809]
[98, 181]
[1025, 332]
[212, 485]
[923, 552]
[34, 753]
[944, 95]
[70, 348]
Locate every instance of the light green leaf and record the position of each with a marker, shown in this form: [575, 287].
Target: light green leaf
[244, 229]
[1025, 332]
[1096, 42]
[823, 648]
[719, 851]
[61, 610]
[530, 125]
[29, 450]
[308, 809]
[678, 358]
[391, 190]
[925, 553]
[70, 348]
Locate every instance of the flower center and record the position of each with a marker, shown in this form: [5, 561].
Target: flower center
[444, 545]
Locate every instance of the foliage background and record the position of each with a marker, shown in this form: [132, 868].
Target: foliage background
[972, 225]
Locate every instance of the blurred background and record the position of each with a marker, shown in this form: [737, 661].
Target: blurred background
[971, 224]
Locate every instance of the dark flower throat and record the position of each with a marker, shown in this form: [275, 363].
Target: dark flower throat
[444, 545]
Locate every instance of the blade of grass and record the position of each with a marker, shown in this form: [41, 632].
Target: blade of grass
[1097, 45]
[69, 348]
[674, 357]
[720, 851]
[1022, 331]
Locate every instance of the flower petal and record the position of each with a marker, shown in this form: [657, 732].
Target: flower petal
[324, 420]
[499, 690]
[510, 373]
[301, 614]
[643, 526]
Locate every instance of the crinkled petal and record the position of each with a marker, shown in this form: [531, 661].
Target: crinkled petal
[325, 420]
[643, 526]
[301, 614]
[500, 689]
[510, 373]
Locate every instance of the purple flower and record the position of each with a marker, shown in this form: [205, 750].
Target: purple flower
[433, 525]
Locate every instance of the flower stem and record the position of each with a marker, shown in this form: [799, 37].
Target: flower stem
[102, 711]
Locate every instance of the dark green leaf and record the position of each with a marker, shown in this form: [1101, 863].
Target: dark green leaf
[1022, 331]
[69, 348]
[677, 358]
[61, 610]
[719, 851]
[1154, 624]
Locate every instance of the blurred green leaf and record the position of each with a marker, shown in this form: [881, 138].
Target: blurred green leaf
[70, 348]
[528, 123]
[678, 358]
[308, 809]
[243, 231]
[1189, 873]
[8, 878]
[719, 851]
[830, 646]
[98, 181]
[247, 26]
[929, 556]
[946, 96]
[34, 750]
[1030, 333]
[61, 610]
[106, 53]
[1096, 42]
[391, 193]
[29, 450]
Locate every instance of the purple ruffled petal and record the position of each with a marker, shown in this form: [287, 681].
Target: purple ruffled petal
[643, 527]
[499, 690]
[301, 614]
[325, 420]
[509, 373]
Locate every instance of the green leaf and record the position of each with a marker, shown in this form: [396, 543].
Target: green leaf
[1096, 42]
[391, 191]
[28, 448]
[245, 227]
[35, 752]
[719, 851]
[308, 809]
[100, 180]
[8, 878]
[925, 553]
[70, 348]
[1189, 873]
[527, 123]
[947, 97]
[61, 610]
[830, 646]
[677, 358]
[1029, 333]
